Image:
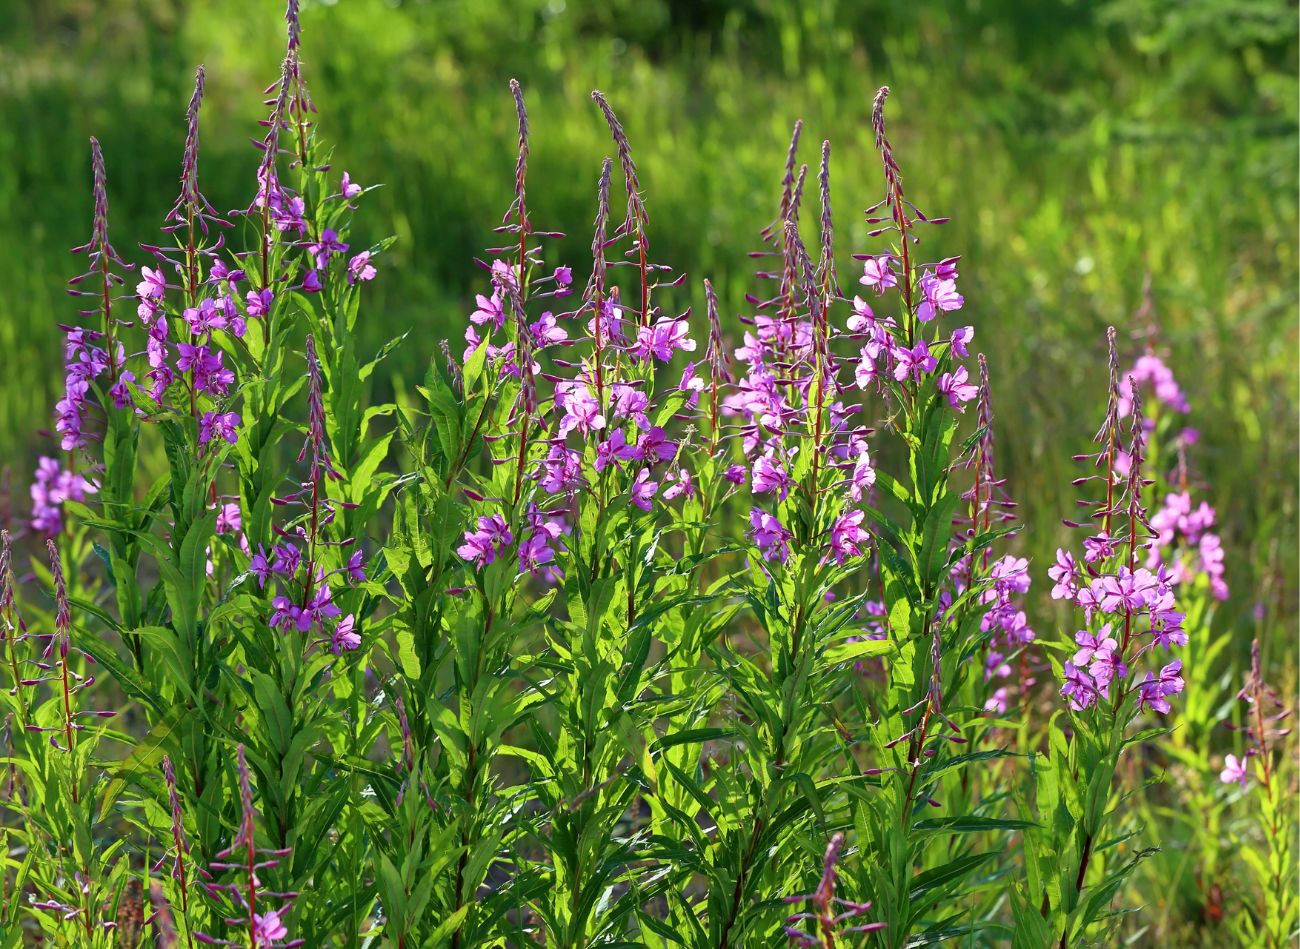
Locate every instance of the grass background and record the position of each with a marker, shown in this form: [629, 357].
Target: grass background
[1077, 146]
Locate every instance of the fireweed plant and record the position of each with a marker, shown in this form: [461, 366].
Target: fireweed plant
[607, 634]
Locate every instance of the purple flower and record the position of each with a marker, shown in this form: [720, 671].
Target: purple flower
[267, 928]
[205, 318]
[1150, 368]
[864, 370]
[209, 374]
[1154, 692]
[864, 475]
[769, 534]
[312, 282]
[153, 286]
[631, 403]
[561, 471]
[482, 546]
[613, 450]
[769, 475]
[862, 318]
[654, 448]
[692, 383]
[229, 520]
[345, 637]
[285, 559]
[1079, 688]
[321, 606]
[288, 215]
[1090, 645]
[1106, 666]
[1010, 576]
[259, 302]
[349, 188]
[547, 331]
[286, 615]
[735, 474]
[219, 425]
[52, 486]
[221, 273]
[643, 490]
[328, 244]
[661, 339]
[360, 269]
[563, 280]
[1124, 591]
[119, 392]
[535, 552]
[355, 568]
[961, 337]
[847, 535]
[260, 567]
[1100, 547]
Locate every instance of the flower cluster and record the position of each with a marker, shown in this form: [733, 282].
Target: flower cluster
[51, 486]
[830, 912]
[266, 929]
[84, 360]
[305, 600]
[596, 427]
[1264, 711]
[1129, 610]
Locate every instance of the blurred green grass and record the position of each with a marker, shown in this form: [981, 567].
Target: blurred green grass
[1076, 145]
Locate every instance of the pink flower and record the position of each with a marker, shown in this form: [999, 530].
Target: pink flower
[345, 638]
[1062, 573]
[956, 387]
[1078, 688]
[534, 552]
[216, 424]
[581, 410]
[770, 476]
[914, 362]
[661, 339]
[228, 518]
[940, 296]
[769, 534]
[847, 536]
[489, 310]
[681, 485]
[962, 336]
[864, 475]
[258, 302]
[153, 286]
[877, 274]
[1234, 769]
[267, 928]
[360, 268]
